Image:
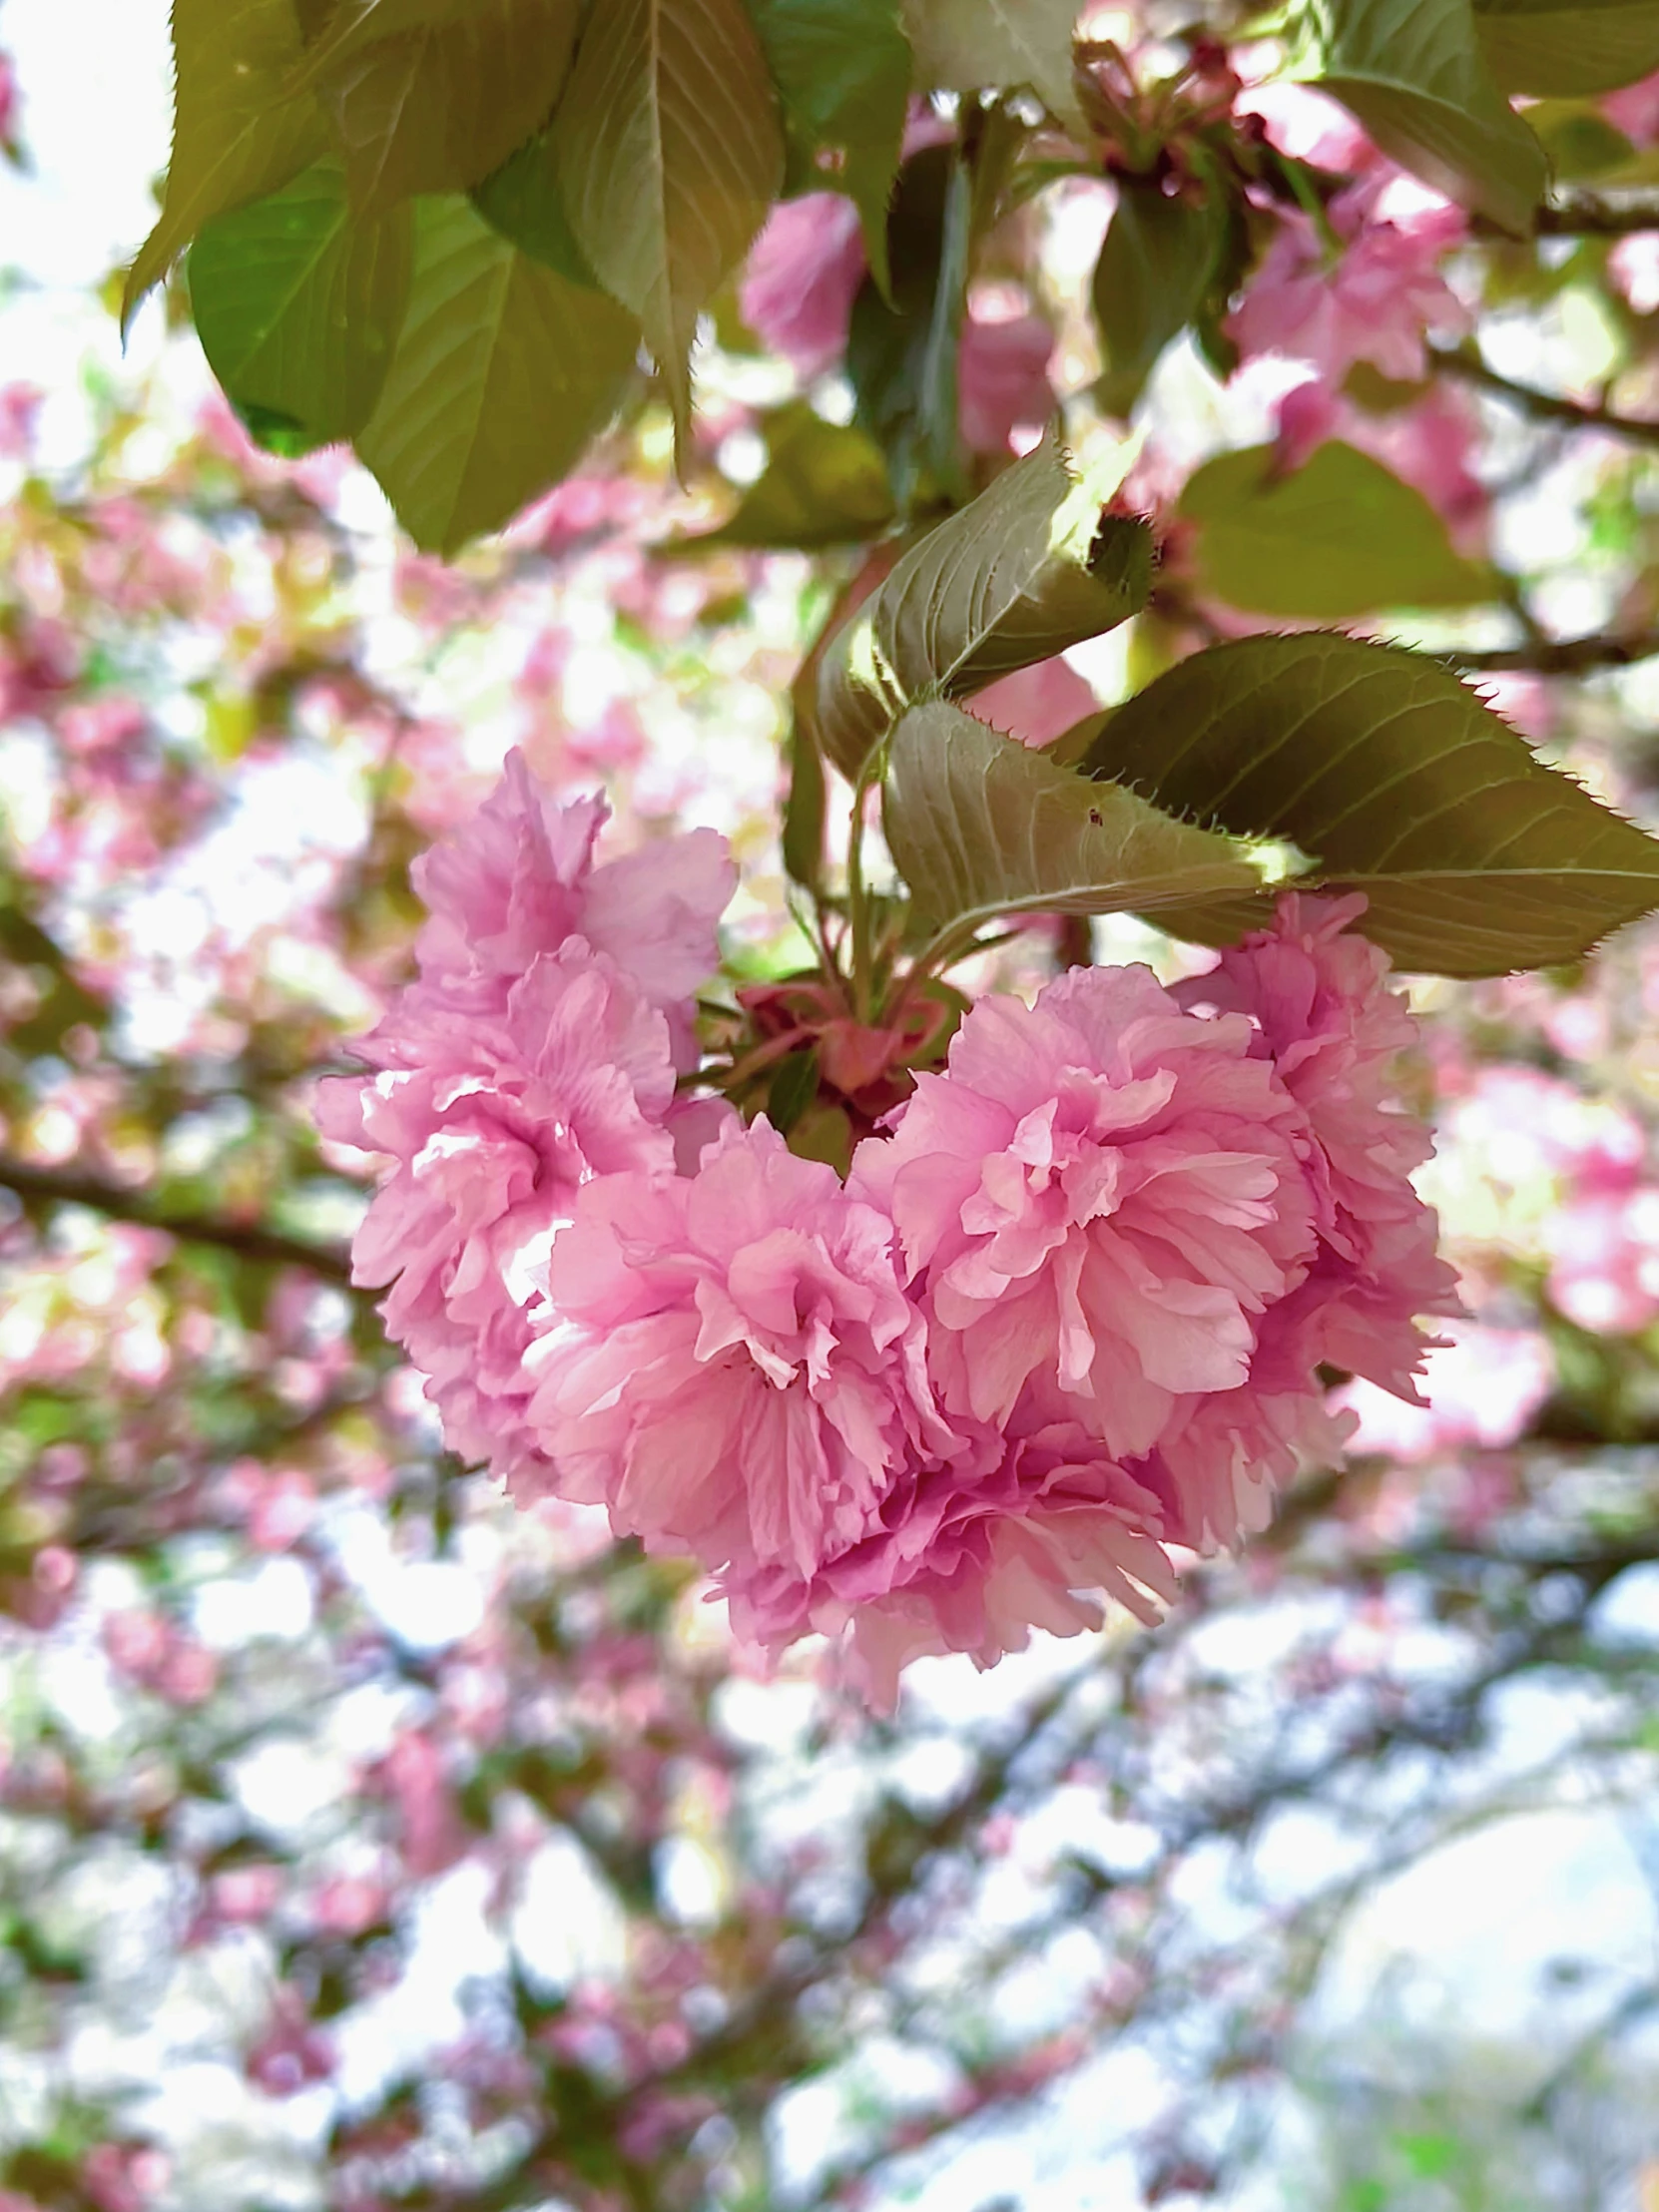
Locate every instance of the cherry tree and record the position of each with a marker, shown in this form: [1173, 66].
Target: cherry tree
[548, 1334]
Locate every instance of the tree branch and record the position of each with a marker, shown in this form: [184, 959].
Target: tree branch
[35, 1186]
[1588, 215]
[1563, 656]
[1465, 364]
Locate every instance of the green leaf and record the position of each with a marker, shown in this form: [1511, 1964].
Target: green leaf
[980, 825]
[969, 45]
[1413, 74]
[1342, 536]
[297, 302]
[901, 349]
[1542, 47]
[1158, 262]
[442, 103]
[670, 153]
[843, 68]
[523, 202]
[792, 1089]
[502, 372]
[823, 484]
[1031, 567]
[239, 131]
[1474, 856]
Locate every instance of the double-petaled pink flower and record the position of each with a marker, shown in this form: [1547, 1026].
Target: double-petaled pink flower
[1073, 1308]
[1375, 299]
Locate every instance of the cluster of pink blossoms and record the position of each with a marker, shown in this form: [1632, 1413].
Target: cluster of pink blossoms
[1070, 1310]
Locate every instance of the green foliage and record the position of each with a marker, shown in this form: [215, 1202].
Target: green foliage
[825, 483]
[903, 344]
[1413, 73]
[1161, 261]
[965, 45]
[843, 69]
[433, 96]
[1476, 858]
[1338, 537]
[980, 826]
[297, 302]
[502, 371]
[1545, 48]
[670, 152]
[523, 202]
[794, 1088]
[1031, 567]
[238, 129]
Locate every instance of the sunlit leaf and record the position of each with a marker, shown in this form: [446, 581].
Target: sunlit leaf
[502, 372]
[297, 302]
[969, 45]
[1542, 47]
[442, 103]
[1030, 568]
[670, 151]
[1338, 537]
[1413, 73]
[1476, 858]
[239, 131]
[980, 826]
[843, 68]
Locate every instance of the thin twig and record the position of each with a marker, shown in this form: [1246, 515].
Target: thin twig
[1563, 656]
[1588, 215]
[1464, 364]
[35, 1186]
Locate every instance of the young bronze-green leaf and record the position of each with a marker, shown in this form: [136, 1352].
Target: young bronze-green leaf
[443, 101]
[980, 826]
[238, 130]
[502, 371]
[1474, 856]
[843, 68]
[298, 304]
[825, 483]
[970, 45]
[1338, 537]
[1413, 74]
[670, 151]
[1030, 567]
[1557, 51]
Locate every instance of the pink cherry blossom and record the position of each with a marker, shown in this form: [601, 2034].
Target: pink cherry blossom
[9, 106]
[803, 275]
[1481, 1387]
[1035, 705]
[1099, 1197]
[1634, 110]
[737, 1372]
[519, 878]
[492, 1122]
[1374, 303]
[1002, 380]
[970, 1554]
[1320, 996]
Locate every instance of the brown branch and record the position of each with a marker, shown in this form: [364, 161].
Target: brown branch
[1463, 362]
[1588, 215]
[35, 1186]
[1563, 656]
